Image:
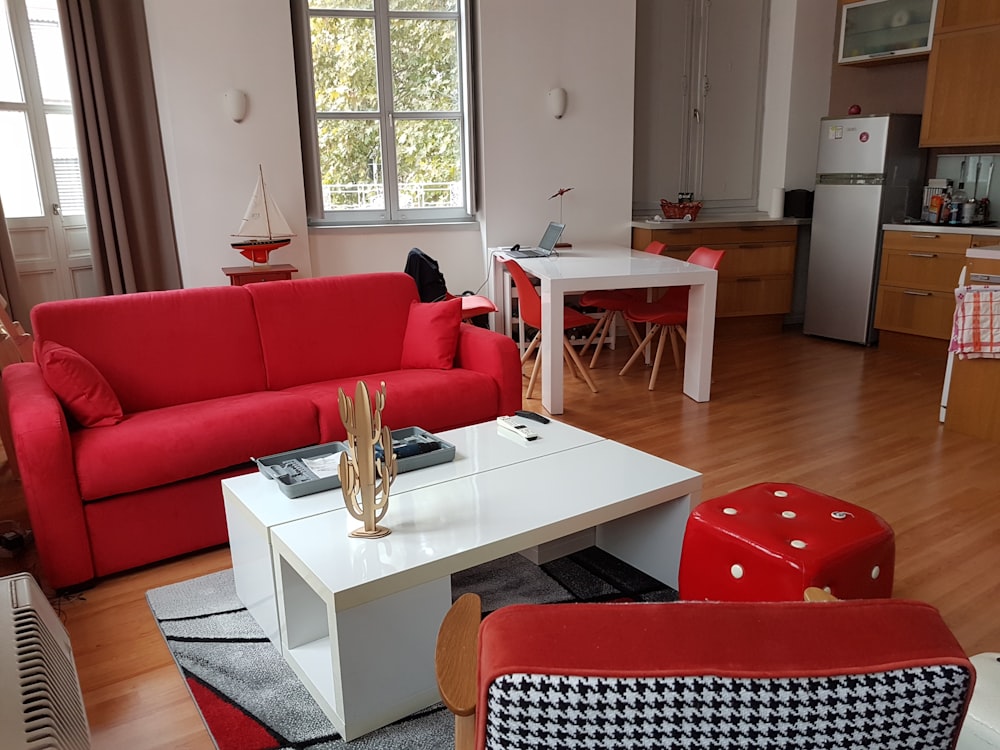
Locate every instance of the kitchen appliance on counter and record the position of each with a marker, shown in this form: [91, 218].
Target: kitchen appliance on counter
[869, 172]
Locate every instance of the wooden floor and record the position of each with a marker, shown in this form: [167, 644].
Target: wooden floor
[860, 424]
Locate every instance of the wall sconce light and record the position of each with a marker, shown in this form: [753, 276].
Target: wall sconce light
[557, 103]
[235, 103]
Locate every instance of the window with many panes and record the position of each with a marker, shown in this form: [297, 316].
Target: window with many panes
[386, 83]
[39, 163]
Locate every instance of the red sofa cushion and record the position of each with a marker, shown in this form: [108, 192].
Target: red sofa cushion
[81, 388]
[435, 400]
[431, 334]
[159, 349]
[313, 330]
[167, 445]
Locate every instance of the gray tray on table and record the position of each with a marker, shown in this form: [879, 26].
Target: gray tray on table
[415, 449]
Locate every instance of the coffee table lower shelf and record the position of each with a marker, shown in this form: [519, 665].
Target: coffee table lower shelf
[365, 666]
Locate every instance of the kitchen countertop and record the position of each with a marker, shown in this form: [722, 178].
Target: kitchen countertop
[710, 218]
[987, 253]
[945, 229]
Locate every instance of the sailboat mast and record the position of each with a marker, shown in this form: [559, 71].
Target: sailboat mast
[263, 192]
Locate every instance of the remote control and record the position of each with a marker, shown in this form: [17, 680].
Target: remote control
[533, 416]
[521, 430]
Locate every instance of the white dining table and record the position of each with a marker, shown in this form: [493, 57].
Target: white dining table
[582, 268]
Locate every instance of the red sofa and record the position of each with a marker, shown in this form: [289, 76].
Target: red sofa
[207, 378]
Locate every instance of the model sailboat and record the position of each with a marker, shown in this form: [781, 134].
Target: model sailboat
[264, 228]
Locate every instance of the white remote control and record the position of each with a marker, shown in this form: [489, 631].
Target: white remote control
[521, 430]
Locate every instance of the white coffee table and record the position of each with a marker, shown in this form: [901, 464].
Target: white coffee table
[254, 505]
[358, 618]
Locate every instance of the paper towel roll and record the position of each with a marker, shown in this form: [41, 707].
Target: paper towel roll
[777, 203]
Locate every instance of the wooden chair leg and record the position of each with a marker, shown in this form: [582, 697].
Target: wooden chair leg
[535, 369]
[633, 333]
[465, 732]
[664, 332]
[570, 364]
[531, 347]
[568, 347]
[601, 323]
[639, 350]
[673, 345]
[604, 332]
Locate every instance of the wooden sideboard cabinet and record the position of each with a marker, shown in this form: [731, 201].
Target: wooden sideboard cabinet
[242, 275]
[756, 274]
[916, 291]
[984, 240]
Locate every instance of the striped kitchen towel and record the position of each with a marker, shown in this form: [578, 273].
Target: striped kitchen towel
[976, 329]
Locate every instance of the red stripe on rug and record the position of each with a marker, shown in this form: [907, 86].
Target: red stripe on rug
[230, 727]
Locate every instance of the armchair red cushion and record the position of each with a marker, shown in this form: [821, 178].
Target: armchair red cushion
[432, 335]
[79, 385]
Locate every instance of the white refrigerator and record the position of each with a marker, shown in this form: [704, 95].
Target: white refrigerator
[869, 172]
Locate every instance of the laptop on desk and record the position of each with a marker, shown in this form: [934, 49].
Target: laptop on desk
[546, 245]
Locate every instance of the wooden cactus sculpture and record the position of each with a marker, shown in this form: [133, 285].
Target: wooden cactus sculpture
[364, 477]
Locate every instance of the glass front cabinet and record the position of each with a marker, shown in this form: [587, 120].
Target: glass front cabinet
[883, 30]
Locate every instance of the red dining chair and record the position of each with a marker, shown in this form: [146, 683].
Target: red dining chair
[667, 315]
[530, 311]
[614, 302]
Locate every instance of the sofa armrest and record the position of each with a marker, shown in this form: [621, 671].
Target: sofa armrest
[496, 355]
[48, 476]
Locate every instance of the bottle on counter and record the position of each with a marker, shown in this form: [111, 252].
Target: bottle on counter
[958, 200]
[937, 207]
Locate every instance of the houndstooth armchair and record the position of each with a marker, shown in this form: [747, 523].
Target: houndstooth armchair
[853, 674]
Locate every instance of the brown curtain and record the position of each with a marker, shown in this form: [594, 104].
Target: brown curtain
[121, 153]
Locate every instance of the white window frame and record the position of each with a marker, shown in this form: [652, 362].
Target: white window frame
[392, 213]
[35, 110]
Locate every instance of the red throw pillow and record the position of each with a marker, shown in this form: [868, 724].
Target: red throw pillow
[432, 335]
[79, 385]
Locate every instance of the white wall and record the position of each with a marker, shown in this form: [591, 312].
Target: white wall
[199, 50]
[526, 48]
[800, 47]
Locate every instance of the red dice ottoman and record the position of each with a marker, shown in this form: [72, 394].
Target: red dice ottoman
[770, 541]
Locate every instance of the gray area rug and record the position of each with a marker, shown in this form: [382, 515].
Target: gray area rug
[251, 700]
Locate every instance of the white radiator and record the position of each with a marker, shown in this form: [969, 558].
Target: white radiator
[40, 702]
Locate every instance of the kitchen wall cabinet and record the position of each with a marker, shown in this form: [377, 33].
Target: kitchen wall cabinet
[917, 280]
[956, 15]
[962, 98]
[873, 31]
[757, 272]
